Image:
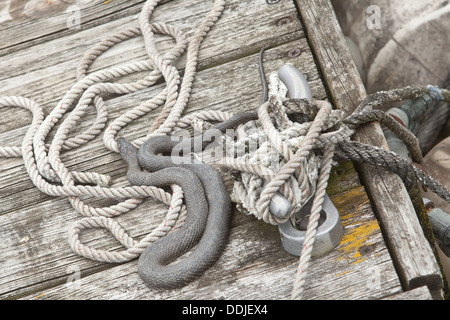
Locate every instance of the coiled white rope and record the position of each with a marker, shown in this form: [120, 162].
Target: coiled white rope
[283, 160]
[51, 176]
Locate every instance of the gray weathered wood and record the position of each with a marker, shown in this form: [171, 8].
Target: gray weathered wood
[254, 266]
[36, 260]
[410, 250]
[420, 293]
[36, 242]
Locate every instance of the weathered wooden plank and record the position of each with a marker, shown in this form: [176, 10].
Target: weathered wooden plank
[48, 20]
[45, 223]
[32, 243]
[46, 76]
[420, 293]
[410, 250]
[245, 95]
[236, 27]
[36, 258]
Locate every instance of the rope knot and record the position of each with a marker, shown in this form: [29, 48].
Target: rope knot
[289, 140]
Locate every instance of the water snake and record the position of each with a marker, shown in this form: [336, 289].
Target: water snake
[207, 201]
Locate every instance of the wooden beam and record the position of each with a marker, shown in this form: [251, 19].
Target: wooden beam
[421, 293]
[410, 251]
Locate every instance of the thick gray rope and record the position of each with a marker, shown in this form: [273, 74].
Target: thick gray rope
[355, 151]
[408, 172]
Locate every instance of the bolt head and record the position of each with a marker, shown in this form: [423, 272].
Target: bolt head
[294, 52]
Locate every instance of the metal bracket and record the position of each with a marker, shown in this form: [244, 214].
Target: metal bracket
[330, 231]
[440, 223]
[328, 236]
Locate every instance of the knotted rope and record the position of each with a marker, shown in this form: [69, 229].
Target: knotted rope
[295, 159]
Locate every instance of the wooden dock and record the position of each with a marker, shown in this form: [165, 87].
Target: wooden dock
[39, 52]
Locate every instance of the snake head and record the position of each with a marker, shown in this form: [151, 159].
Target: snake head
[126, 149]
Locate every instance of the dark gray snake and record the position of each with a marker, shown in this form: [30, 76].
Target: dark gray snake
[207, 202]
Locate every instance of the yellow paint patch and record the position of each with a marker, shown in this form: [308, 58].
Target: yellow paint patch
[342, 273]
[354, 206]
[356, 238]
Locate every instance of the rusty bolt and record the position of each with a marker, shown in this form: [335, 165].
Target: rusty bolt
[429, 205]
[294, 52]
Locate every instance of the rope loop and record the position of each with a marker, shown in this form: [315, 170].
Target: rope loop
[43, 161]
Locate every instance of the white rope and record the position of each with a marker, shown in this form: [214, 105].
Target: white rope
[283, 157]
[313, 223]
[43, 163]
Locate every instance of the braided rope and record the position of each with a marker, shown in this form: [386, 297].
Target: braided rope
[296, 162]
[403, 133]
[43, 162]
[313, 223]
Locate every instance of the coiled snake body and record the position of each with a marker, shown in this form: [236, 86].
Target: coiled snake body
[207, 202]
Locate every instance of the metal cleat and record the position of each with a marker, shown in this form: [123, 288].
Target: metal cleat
[329, 232]
[298, 87]
[440, 223]
[295, 82]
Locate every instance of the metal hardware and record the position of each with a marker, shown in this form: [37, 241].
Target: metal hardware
[329, 233]
[440, 223]
[295, 81]
[330, 230]
[298, 87]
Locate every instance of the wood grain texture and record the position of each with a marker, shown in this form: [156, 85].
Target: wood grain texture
[420, 293]
[410, 250]
[36, 260]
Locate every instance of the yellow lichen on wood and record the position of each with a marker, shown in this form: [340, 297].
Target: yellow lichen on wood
[359, 227]
[356, 238]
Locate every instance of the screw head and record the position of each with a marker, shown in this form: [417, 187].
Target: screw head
[294, 52]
